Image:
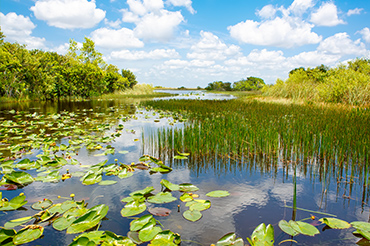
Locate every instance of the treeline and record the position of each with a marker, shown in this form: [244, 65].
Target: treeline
[44, 75]
[249, 84]
[347, 83]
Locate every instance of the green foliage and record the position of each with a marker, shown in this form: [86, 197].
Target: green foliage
[249, 84]
[347, 84]
[44, 75]
[219, 86]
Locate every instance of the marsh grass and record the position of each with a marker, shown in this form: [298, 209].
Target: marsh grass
[265, 136]
[138, 91]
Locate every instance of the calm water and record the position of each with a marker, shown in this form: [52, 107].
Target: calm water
[256, 196]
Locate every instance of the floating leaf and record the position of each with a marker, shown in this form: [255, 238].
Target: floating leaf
[133, 208]
[186, 187]
[113, 239]
[362, 228]
[186, 197]
[6, 234]
[262, 235]
[138, 224]
[148, 232]
[90, 219]
[13, 204]
[63, 223]
[287, 228]
[83, 241]
[162, 197]
[335, 223]
[183, 154]
[192, 215]
[94, 236]
[143, 192]
[28, 234]
[160, 211]
[124, 174]
[41, 205]
[167, 238]
[107, 182]
[200, 205]
[19, 177]
[180, 157]
[230, 239]
[91, 178]
[169, 185]
[17, 222]
[218, 193]
[304, 228]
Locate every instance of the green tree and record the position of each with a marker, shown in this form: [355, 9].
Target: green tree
[90, 55]
[130, 76]
[251, 83]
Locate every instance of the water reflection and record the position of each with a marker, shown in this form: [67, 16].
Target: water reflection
[260, 185]
[194, 95]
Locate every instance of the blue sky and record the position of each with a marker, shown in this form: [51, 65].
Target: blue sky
[189, 43]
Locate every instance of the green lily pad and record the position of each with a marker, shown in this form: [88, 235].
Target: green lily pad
[107, 182]
[17, 222]
[335, 223]
[230, 239]
[287, 228]
[186, 197]
[180, 157]
[113, 239]
[143, 192]
[169, 185]
[304, 228]
[133, 208]
[91, 178]
[19, 177]
[63, 223]
[200, 205]
[186, 187]
[90, 219]
[124, 174]
[218, 193]
[138, 224]
[28, 234]
[148, 232]
[362, 228]
[6, 235]
[192, 215]
[94, 236]
[262, 235]
[83, 241]
[162, 197]
[13, 204]
[41, 205]
[166, 237]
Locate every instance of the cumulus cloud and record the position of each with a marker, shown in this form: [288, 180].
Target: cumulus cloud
[341, 44]
[210, 47]
[355, 11]
[284, 32]
[112, 24]
[158, 26]
[267, 12]
[18, 28]
[68, 14]
[185, 3]
[298, 7]
[313, 59]
[113, 39]
[141, 55]
[326, 15]
[365, 34]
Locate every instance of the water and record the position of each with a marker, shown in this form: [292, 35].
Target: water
[256, 196]
[194, 95]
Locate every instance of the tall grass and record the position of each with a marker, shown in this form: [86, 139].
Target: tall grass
[138, 91]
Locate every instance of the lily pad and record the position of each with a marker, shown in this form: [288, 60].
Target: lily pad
[19, 177]
[159, 211]
[89, 219]
[148, 232]
[200, 205]
[107, 182]
[138, 224]
[63, 223]
[262, 235]
[180, 157]
[186, 187]
[169, 185]
[17, 222]
[28, 234]
[6, 234]
[192, 215]
[133, 208]
[186, 197]
[218, 193]
[304, 228]
[83, 241]
[362, 228]
[287, 228]
[167, 238]
[13, 204]
[41, 205]
[335, 223]
[162, 197]
[230, 239]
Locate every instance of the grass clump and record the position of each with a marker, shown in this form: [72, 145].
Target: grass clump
[138, 91]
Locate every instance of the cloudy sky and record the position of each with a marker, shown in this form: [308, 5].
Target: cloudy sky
[189, 43]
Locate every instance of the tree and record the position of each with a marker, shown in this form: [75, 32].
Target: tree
[90, 55]
[251, 83]
[130, 76]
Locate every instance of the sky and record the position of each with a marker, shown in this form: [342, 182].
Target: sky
[174, 43]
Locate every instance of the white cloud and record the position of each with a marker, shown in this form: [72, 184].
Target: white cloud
[210, 47]
[112, 24]
[158, 27]
[281, 32]
[259, 59]
[185, 3]
[267, 12]
[355, 11]
[141, 55]
[68, 14]
[365, 34]
[298, 7]
[341, 44]
[326, 15]
[18, 28]
[313, 59]
[113, 39]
